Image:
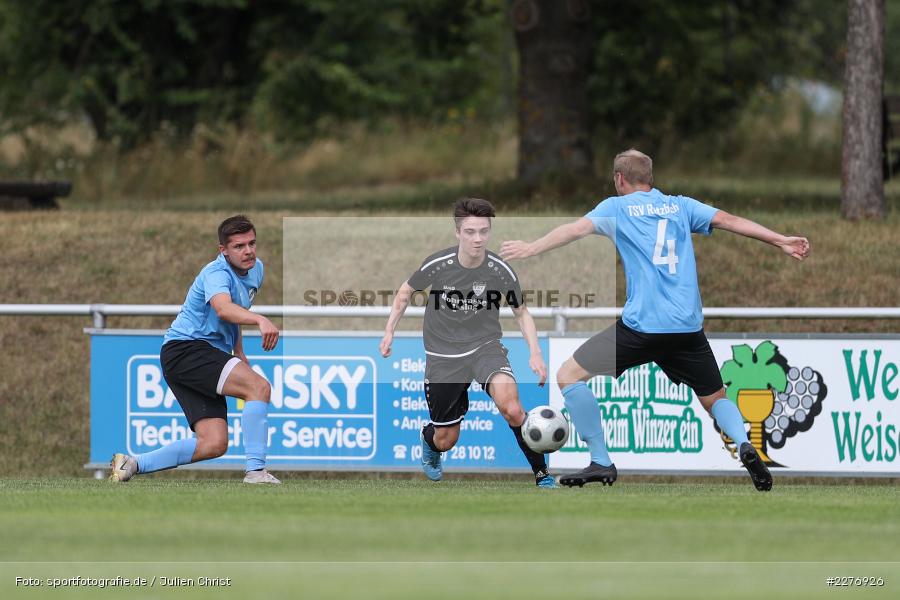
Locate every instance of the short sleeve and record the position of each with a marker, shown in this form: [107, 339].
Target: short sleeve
[514, 293]
[604, 217]
[699, 215]
[422, 278]
[262, 273]
[216, 282]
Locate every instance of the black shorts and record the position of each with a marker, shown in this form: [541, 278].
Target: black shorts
[447, 380]
[684, 357]
[196, 372]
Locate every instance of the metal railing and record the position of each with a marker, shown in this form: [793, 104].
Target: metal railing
[560, 315]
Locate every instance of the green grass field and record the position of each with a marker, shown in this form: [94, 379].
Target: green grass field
[392, 538]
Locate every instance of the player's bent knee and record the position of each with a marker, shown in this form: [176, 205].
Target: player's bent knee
[218, 448]
[502, 387]
[210, 449]
[708, 401]
[504, 391]
[222, 448]
[212, 438]
[262, 390]
[445, 444]
[245, 383]
[570, 372]
[446, 437]
[514, 415]
[564, 376]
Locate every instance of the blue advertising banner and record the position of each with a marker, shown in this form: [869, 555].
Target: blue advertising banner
[336, 404]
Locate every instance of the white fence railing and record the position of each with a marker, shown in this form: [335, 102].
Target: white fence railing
[560, 315]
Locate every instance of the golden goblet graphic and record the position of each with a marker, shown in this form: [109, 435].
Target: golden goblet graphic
[756, 406]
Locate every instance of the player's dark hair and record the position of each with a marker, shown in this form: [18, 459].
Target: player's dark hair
[233, 226]
[472, 207]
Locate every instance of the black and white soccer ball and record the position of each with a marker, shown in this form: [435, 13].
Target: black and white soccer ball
[545, 429]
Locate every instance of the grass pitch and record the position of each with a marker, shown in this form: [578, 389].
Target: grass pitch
[461, 538]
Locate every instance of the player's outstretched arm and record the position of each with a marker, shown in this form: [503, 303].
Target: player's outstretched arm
[231, 312]
[529, 332]
[401, 301]
[797, 247]
[562, 235]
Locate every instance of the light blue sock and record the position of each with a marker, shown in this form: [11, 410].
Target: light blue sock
[256, 430]
[729, 418]
[585, 414]
[177, 453]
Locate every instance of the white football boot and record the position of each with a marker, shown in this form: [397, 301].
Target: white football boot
[122, 467]
[261, 476]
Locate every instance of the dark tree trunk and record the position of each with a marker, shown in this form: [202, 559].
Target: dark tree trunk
[555, 48]
[862, 179]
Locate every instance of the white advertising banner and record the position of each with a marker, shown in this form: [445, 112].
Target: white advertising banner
[824, 405]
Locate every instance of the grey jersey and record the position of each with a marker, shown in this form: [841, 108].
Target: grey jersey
[463, 304]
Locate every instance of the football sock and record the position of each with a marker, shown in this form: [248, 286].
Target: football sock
[535, 459]
[585, 414]
[428, 436]
[729, 418]
[177, 453]
[256, 429]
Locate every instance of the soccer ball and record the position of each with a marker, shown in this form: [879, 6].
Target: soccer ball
[545, 429]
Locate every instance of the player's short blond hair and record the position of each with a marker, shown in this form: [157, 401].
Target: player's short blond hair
[635, 166]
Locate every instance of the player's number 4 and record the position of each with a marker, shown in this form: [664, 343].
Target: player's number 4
[670, 258]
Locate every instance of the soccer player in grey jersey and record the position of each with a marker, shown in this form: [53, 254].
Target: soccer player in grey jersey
[462, 336]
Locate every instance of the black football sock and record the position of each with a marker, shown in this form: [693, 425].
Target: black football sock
[536, 460]
[428, 436]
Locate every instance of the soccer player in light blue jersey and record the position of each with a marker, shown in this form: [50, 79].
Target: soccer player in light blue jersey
[203, 361]
[662, 320]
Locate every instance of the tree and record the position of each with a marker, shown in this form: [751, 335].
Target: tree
[667, 71]
[336, 61]
[555, 45]
[133, 67]
[128, 66]
[862, 179]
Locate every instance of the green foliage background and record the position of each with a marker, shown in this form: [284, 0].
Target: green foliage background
[286, 65]
[292, 67]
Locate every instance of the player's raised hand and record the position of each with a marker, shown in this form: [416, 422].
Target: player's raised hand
[269, 334]
[385, 345]
[539, 367]
[515, 249]
[798, 247]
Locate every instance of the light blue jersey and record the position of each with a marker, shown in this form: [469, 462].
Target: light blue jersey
[198, 320]
[652, 232]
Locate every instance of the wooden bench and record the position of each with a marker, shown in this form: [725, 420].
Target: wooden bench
[891, 137]
[28, 194]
